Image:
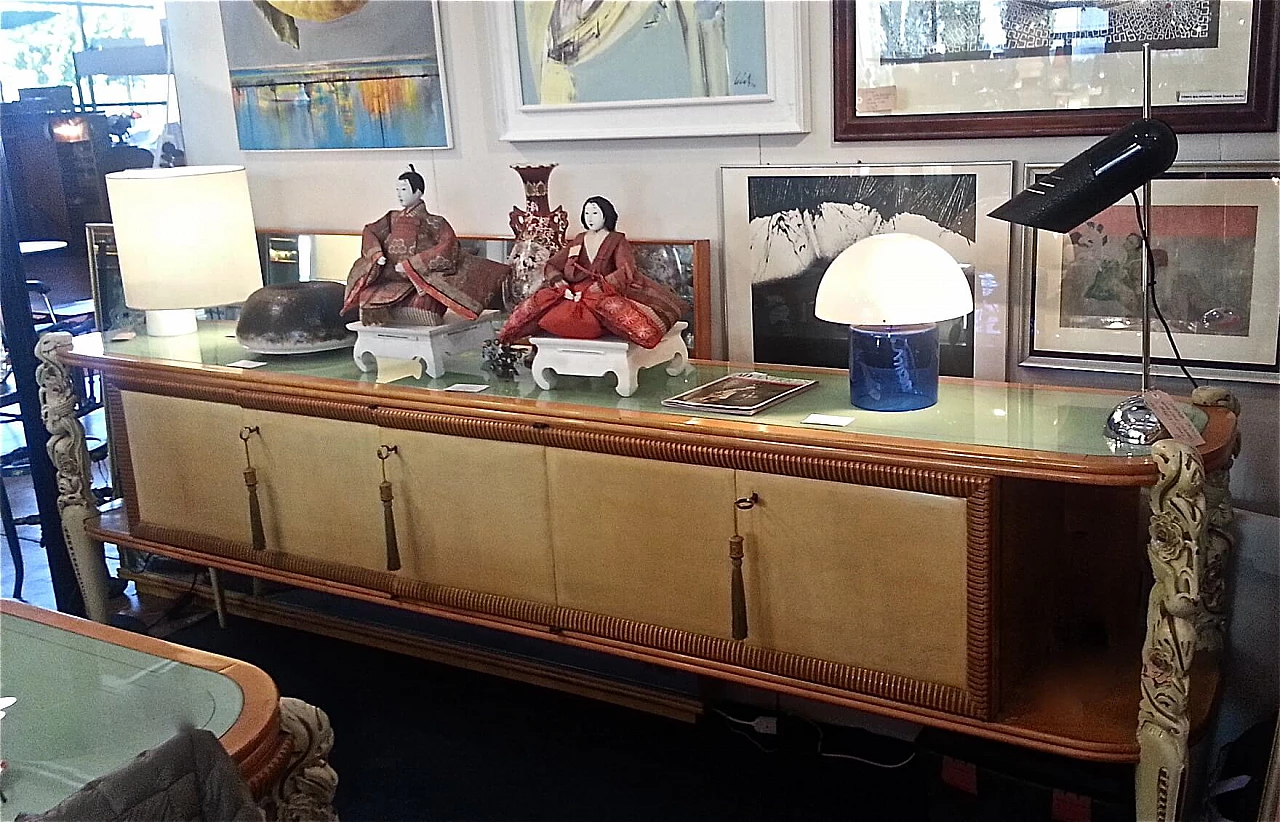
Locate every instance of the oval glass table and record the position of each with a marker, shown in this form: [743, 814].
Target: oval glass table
[90, 698]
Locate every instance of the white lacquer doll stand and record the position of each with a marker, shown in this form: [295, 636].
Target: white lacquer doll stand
[428, 344]
[595, 358]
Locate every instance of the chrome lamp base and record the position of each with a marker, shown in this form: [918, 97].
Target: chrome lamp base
[1133, 422]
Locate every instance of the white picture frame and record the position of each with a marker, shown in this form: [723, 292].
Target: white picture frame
[782, 109]
[273, 57]
[988, 250]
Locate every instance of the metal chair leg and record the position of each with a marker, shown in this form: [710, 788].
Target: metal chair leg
[11, 536]
[219, 597]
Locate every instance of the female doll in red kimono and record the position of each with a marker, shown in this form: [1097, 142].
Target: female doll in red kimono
[411, 269]
[594, 288]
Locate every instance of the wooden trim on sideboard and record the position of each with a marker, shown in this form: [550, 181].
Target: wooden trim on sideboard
[112, 529]
[531, 618]
[567, 680]
[557, 425]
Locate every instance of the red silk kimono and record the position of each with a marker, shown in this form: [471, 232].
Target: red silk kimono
[437, 274]
[587, 298]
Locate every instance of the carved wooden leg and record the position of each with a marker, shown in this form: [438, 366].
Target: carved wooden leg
[76, 505]
[307, 785]
[1176, 554]
[1211, 621]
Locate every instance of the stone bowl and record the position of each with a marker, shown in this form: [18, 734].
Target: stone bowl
[294, 318]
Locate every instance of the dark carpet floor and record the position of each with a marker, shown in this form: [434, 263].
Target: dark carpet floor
[421, 741]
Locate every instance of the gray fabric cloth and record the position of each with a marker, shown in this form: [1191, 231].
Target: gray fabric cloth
[189, 778]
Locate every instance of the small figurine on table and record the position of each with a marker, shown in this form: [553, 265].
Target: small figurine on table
[594, 288]
[410, 272]
[596, 292]
[411, 269]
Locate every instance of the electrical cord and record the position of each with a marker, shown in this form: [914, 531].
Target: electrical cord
[755, 724]
[181, 602]
[1151, 286]
[871, 762]
[740, 732]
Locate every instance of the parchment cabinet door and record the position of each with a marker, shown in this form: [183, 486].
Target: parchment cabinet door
[642, 540]
[472, 513]
[187, 464]
[864, 576]
[318, 482]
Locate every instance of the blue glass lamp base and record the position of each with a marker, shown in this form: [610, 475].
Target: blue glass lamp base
[893, 368]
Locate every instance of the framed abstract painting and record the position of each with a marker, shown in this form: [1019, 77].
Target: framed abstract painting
[783, 225]
[336, 75]
[958, 69]
[1215, 238]
[580, 71]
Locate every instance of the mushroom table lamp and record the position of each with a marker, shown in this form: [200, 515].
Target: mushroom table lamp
[892, 290]
[185, 240]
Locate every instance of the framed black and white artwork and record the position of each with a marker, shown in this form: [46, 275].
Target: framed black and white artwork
[783, 225]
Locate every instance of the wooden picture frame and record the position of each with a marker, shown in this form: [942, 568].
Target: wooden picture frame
[1216, 238]
[784, 224]
[875, 102]
[776, 105]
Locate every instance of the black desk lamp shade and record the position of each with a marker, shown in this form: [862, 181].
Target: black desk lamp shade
[1080, 188]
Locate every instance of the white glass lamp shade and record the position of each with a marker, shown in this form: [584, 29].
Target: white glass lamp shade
[891, 280]
[184, 236]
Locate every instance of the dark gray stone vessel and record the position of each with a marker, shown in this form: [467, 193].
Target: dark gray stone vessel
[294, 318]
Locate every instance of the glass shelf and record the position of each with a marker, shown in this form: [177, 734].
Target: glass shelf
[968, 413]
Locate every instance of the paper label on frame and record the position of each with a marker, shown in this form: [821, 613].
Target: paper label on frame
[879, 100]
[1213, 97]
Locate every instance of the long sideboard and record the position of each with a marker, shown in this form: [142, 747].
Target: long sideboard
[977, 566]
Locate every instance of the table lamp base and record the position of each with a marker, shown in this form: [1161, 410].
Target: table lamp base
[171, 322]
[893, 367]
[1133, 422]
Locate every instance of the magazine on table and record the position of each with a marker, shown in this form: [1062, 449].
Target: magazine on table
[743, 393]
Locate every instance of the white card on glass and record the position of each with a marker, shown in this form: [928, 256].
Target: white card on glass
[827, 419]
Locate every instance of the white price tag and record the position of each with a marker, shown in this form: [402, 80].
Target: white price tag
[827, 419]
[880, 100]
[468, 387]
[1178, 424]
[246, 363]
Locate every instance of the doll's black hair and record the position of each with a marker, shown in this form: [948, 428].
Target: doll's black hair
[416, 183]
[606, 207]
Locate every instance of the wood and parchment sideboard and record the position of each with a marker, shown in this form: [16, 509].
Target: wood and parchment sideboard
[976, 566]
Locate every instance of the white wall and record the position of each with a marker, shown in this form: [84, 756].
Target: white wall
[663, 188]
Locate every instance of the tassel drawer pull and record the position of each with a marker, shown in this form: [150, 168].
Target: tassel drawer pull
[388, 515]
[258, 536]
[737, 591]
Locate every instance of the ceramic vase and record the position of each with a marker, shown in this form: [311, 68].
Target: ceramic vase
[539, 232]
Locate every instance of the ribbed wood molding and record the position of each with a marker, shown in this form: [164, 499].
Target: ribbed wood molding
[333, 576]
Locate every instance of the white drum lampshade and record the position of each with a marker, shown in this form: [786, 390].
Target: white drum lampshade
[185, 240]
[892, 290]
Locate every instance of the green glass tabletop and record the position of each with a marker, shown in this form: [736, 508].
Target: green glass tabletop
[968, 413]
[85, 707]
